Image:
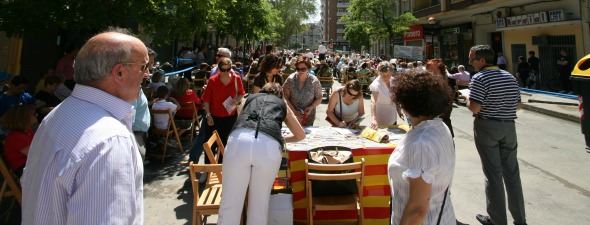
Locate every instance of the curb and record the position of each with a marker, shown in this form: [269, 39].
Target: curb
[564, 116]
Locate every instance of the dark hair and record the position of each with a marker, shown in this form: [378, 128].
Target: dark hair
[439, 64]
[353, 85]
[157, 77]
[272, 88]
[483, 52]
[521, 58]
[18, 117]
[18, 80]
[270, 62]
[364, 65]
[51, 80]
[162, 91]
[532, 52]
[203, 66]
[304, 60]
[421, 93]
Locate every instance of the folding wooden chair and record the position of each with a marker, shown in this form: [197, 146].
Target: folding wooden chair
[170, 129]
[214, 158]
[208, 202]
[194, 120]
[250, 78]
[198, 85]
[338, 202]
[326, 83]
[10, 188]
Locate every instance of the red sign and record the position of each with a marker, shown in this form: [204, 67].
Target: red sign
[416, 32]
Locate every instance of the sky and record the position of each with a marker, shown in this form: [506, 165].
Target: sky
[316, 17]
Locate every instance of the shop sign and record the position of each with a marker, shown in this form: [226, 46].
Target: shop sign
[532, 18]
[451, 30]
[408, 52]
[416, 32]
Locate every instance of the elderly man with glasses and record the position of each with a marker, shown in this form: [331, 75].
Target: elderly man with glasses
[494, 98]
[221, 53]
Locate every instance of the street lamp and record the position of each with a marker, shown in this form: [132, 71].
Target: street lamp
[433, 24]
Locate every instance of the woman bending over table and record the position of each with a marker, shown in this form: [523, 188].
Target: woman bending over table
[303, 92]
[421, 168]
[346, 105]
[253, 155]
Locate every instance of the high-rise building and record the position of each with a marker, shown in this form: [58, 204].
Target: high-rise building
[332, 12]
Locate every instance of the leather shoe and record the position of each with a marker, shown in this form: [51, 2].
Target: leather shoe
[485, 220]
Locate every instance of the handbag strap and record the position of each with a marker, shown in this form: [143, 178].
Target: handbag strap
[340, 97]
[442, 207]
[236, 85]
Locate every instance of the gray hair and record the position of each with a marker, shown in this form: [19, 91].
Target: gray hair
[483, 52]
[224, 61]
[461, 67]
[96, 58]
[224, 51]
[383, 65]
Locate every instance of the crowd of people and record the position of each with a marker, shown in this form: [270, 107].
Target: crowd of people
[86, 151]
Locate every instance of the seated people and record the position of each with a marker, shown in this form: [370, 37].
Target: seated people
[182, 93]
[62, 91]
[157, 81]
[16, 95]
[161, 103]
[323, 71]
[202, 73]
[19, 120]
[46, 94]
[346, 105]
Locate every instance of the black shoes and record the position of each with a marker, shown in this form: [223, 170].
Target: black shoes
[485, 220]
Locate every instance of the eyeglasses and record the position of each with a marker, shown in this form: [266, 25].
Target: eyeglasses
[384, 69]
[219, 55]
[301, 69]
[224, 69]
[144, 65]
[353, 96]
[473, 59]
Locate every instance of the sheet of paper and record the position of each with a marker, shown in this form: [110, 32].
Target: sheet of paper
[464, 92]
[228, 104]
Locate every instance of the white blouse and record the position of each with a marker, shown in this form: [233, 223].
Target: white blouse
[427, 151]
[385, 110]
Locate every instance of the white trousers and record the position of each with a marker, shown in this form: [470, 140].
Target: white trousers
[248, 162]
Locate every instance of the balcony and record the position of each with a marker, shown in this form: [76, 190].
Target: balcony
[340, 31]
[343, 5]
[340, 22]
[341, 13]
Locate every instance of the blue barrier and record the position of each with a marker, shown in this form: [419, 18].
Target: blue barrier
[180, 71]
[575, 97]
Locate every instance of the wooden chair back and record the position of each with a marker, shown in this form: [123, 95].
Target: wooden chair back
[214, 178]
[194, 120]
[208, 202]
[170, 129]
[198, 84]
[340, 202]
[10, 187]
[250, 78]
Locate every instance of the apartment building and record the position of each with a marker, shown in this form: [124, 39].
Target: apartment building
[448, 28]
[331, 14]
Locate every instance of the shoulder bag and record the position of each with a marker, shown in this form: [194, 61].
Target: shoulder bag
[337, 117]
[332, 155]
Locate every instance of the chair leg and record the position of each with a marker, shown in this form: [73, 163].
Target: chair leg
[164, 148]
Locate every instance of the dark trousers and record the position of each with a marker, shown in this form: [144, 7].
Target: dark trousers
[564, 78]
[496, 144]
[223, 125]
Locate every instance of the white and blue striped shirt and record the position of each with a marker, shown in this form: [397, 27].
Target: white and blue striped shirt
[497, 92]
[83, 166]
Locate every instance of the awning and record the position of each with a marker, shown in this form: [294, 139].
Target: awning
[541, 25]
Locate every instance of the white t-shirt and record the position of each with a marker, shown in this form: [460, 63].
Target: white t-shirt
[161, 120]
[309, 55]
[322, 49]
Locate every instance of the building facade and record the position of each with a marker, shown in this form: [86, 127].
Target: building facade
[448, 28]
[333, 27]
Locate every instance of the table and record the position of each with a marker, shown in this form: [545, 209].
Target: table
[376, 192]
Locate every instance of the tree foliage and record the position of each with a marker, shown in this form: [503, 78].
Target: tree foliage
[291, 17]
[375, 19]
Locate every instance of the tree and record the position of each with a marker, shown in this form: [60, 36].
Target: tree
[250, 19]
[291, 17]
[376, 19]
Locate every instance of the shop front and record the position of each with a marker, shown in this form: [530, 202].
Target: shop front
[456, 42]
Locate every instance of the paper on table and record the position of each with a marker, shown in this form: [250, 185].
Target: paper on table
[228, 104]
[464, 92]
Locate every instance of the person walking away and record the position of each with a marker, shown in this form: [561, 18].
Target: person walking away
[493, 100]
[564, 67]
[522, 71]
[502, 61]
[534, 69]
[253, 155]
[84, 155]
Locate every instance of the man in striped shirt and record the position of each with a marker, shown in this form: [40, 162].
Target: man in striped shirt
[84, 166]
[493, 99]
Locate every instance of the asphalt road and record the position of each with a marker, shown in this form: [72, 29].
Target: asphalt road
[553, 163]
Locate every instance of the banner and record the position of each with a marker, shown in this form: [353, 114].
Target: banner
[408, 52]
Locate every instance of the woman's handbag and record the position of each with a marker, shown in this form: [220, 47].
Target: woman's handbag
[336, 115]
[332, 155]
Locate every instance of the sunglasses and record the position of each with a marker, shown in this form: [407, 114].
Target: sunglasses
[219, 55]
[301, 69]
[224, 69]
[384, 69]
[353, 96]
[144, 66]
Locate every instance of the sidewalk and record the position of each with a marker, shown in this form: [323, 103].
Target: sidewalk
[559, 107]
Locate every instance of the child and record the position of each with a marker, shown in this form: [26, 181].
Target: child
[157, 81]
[161, 121]
[19, 119]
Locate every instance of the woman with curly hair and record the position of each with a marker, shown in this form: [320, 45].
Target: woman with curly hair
[269, 72]
[421, 168]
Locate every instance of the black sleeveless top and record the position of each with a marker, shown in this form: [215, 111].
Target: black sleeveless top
[265, 113]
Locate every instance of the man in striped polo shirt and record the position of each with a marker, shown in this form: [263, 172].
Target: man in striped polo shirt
[493, 100]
